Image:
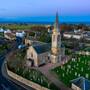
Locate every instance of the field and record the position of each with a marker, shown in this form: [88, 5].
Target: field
[78, 66]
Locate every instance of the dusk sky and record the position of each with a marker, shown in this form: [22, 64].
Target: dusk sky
[44, 10]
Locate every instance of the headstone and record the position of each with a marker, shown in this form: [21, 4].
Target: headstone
[78, 75]
[57, 71]
[77, 64]
[69, 66]
[63, 74]
[82, 69]
[85, 62]
[61, 67]
[67, 70]
[74, 66]
[72, 59]
[72, 69]
[87, 76]
[75, 73]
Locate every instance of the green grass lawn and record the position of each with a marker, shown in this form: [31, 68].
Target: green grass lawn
[74, 69]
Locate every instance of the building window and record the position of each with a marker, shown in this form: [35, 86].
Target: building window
[31, 54]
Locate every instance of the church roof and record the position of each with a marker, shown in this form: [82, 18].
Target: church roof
[82, 83]
[42, 48]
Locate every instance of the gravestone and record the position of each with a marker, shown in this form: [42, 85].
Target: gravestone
[78, 75]
[87, 76]
[75, 73]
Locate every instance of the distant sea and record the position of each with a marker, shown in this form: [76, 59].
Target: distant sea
[46, 23]
[38, 22]
[45, 20]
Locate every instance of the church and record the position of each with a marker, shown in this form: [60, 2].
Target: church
[39, 53]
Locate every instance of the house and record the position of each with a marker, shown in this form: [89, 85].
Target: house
[77, 36]
[73, 35]
[80, 84]
[67, 35]
[9, 36]
[20, 34]
[1, 30]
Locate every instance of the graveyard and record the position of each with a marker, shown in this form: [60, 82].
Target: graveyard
[76, 67]
[16, 64]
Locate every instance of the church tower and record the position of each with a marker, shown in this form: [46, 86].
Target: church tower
[56, 43]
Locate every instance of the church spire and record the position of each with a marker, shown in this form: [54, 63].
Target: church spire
[57, 20]
[56, 42]
[56, 25]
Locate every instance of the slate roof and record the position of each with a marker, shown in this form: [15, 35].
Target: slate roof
[82, 83]
[37, 43]
[11, 35]
[42, 48]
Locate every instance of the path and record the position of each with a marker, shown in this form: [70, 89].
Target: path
[46, 71]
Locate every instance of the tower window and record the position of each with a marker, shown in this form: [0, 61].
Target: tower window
[58, 39]
[31, 54]
[53, 38]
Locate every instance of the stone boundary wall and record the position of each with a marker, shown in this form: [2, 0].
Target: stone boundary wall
[25, 81]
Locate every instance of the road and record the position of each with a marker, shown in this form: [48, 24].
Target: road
[7, 84]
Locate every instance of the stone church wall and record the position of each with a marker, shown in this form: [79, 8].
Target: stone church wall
[32, 55]
[43, 58]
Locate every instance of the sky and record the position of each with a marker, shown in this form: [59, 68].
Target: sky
[45, 10]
